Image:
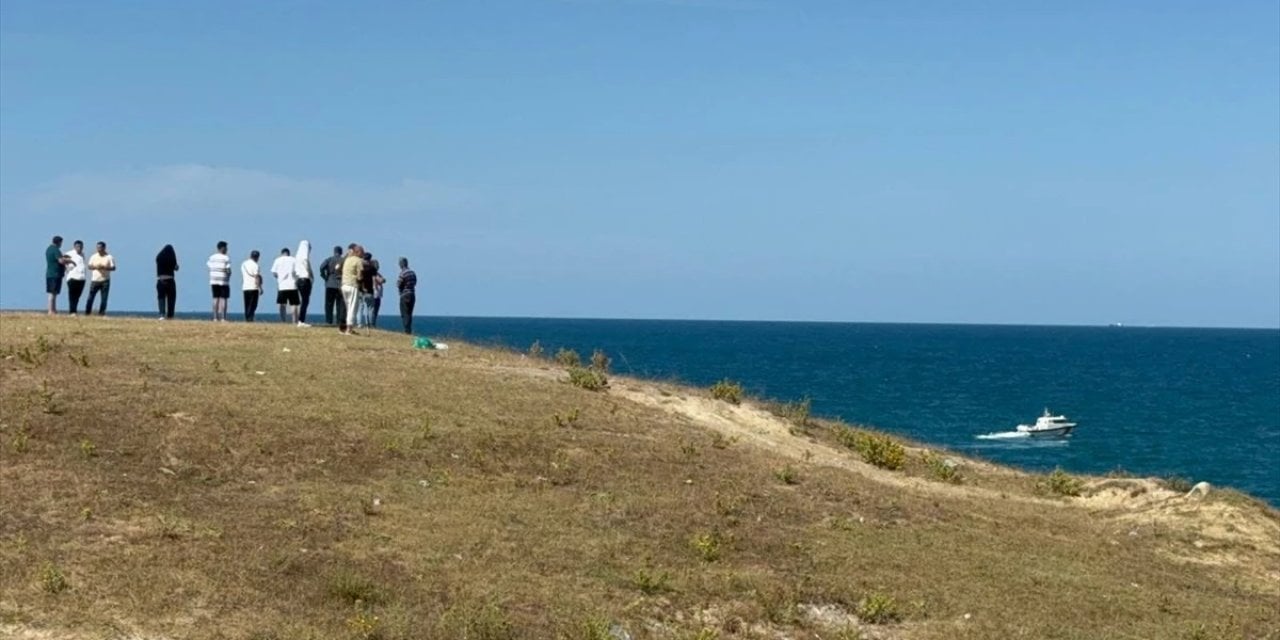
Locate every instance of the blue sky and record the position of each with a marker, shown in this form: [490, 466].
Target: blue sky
[1009, 162]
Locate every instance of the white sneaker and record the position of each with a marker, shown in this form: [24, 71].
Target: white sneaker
[303, 325]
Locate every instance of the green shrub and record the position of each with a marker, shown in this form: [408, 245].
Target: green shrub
[878, 608]
[707, 546]
[941, 468]
[567, 419]
[876, 449]
[1061, 483]
[21, 441]
[796, 412]
[52, 580]
[847, 437]
[487, 622]
[354, 589]
[727, 390]
[365, 626]
[651, 582]
[788, 475]
[536, 350]
[588, 379]
[599, 361]
[591, 628]
[568, 358]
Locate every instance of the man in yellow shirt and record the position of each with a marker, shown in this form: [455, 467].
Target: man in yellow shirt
[352, 270]
[101, 264]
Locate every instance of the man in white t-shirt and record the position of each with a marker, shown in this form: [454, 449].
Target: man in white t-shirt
[251, 274]
[101, 264]
[220, 281]
[287, 281]
[76, 274]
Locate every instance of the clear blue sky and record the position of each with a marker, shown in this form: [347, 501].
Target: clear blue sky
[1011, 162]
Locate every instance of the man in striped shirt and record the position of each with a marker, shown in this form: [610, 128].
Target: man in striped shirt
[220, 281]
[406, 284]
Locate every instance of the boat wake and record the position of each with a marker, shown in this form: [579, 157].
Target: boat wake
[1015, 440]
[1004, 435]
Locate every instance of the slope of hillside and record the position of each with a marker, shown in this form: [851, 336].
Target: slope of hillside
[193, 480]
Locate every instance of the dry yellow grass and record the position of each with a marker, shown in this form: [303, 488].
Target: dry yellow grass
[192, 480]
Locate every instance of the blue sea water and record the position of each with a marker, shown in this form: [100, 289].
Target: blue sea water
[1203, 404]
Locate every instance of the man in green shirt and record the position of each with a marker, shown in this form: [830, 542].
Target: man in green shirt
[55, 267]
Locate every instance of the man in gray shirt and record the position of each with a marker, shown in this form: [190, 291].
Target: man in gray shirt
[331, 273]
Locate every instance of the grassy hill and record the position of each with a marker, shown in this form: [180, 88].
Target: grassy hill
[193, 480]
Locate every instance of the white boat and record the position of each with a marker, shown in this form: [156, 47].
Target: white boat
[1048, 425]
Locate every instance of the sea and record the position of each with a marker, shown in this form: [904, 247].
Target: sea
[1197, 404]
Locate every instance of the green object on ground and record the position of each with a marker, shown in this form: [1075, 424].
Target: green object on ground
[423, 343]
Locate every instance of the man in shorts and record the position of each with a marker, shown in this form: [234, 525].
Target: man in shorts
[55, 268]
[287, 282]
[220, 281]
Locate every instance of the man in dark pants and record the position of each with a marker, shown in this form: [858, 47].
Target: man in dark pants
[251, 274]
[101, 266]
[406, 284]
[76, 274]
[331, 273]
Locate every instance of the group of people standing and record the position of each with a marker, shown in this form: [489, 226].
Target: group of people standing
[352, 278]
[75, 269]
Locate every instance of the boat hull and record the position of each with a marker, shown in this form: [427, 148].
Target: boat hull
[1056, 432]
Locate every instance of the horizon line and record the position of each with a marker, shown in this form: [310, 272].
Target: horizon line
[146, 314]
